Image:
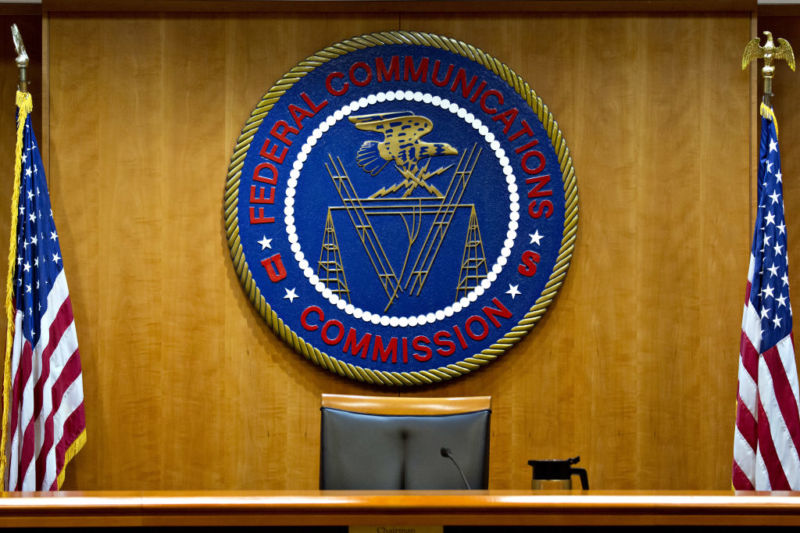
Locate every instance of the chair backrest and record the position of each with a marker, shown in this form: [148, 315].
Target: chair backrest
[393, 443]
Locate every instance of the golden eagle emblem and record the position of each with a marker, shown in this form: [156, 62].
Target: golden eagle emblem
[402, 132]
[769, 51]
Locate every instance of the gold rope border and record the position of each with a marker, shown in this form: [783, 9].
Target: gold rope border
[423, 377]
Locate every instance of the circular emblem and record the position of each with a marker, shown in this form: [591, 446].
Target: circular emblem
[401, 208]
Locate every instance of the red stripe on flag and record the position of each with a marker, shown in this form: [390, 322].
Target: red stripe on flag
[73, 427]
[740, 481]
[749, 356]
[777, 478]
[56, 329]
[783, 393]
[746, 424]
[71, 371]
[27, 442]
[747, 292]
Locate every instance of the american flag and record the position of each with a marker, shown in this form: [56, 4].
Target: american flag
[767, 436]
[45, 418]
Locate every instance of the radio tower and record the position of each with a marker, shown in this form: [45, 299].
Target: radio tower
[473, 261]
[329, 268]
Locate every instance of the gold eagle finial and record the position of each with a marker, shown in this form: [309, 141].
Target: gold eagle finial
[769, 52]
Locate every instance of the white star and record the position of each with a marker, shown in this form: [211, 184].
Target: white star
[30, 195]
[24, 158]
[766, 240]
[765, 313]
[770, 219]
[26, 266]
[785, 279]
[778, 249]
[775, 197]
[290, 295]
[32, 217]
[773, 269]
[773, 145]
[781, 300]
[53, 235]
[779, 176]
[536, 238]
[781, 227]
[767, 291]
[36, 261]
[27, 288]
[56, 258]
[28, 172]
[777, 321]
[513, 290]
[34, 239]
[769, 167]
[265, 243]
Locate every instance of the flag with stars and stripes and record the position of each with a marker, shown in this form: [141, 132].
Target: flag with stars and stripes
[43, 416]
[767, 434]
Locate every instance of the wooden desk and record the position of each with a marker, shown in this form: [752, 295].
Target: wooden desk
[336, 508]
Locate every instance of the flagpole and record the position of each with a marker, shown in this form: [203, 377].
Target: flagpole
[769, 52]
[24, 107]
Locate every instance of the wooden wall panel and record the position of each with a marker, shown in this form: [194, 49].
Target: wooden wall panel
[633, 367]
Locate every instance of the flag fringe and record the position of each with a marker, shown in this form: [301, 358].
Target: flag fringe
[768, 113]
[74, 448]
[24, 106]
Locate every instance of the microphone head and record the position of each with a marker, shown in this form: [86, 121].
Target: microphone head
[446, 452]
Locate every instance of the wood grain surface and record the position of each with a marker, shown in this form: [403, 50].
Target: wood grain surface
[634, 366]
[398, 508]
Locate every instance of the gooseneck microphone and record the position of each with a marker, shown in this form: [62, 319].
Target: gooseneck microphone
[449, 454]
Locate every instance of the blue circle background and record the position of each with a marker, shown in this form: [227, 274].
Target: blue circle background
[315, 193]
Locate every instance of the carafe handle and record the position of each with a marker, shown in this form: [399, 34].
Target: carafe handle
[584, 478]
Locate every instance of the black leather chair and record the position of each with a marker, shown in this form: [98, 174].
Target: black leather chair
[395, 443]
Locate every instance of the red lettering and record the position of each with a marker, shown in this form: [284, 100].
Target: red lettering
[265, 179]
[441, 338]
[484, 327]
[492, 312]
[420, 73]
[279, 131]
[507, 117]
[405, 349]
[539, 156]
[478, 92]
[446, 80]
[546, 208]
[485, 98]
[461, 339]
[304, 317]
[390, 349]
[461, 77]
[270, 153]
[528, 266]
[260, 218]
[329, 84]
[530, 144]
[393, 73]
[540, 182]
[524, 129]
[330, 324]
[363, 66]
[315, 108]
[420, 342]
[298, 114]
[356, 347]
[262, 199]
[274, 267]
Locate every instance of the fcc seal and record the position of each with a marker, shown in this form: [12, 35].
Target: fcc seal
[401, 208]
